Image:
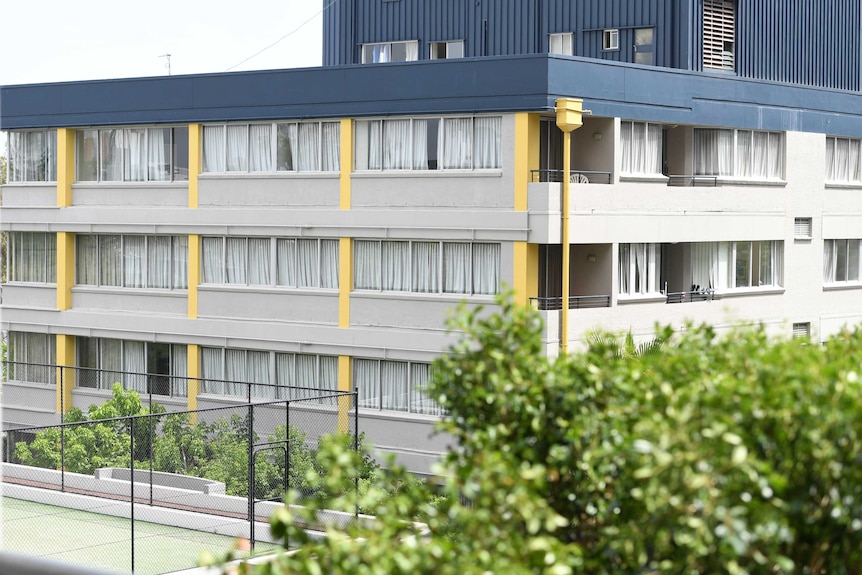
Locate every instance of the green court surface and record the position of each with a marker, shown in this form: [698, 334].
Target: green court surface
[102, 541]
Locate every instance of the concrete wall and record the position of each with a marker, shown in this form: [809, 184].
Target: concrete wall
[172, 302]
[130, 194]
[30, 194]
[281, 189]
[30, 295]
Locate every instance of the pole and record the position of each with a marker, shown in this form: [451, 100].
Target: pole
[251, 474]
[356, 443]
[287, 448]
[62, 434]
[567, 185]
[150, 418]
[132, 484]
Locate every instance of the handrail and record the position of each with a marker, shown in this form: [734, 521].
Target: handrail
[692, 180]
[575, 302]
[690, 296]
[594, 177]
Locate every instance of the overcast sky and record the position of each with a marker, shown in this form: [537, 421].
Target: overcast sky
[60, 40]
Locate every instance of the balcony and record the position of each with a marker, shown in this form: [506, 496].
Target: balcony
[576, 176]
[575, 302]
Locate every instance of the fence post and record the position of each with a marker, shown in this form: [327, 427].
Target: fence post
[132, 484]
[251, 474]
[287, 449]
[356, 444]
[150, 418]
[62, 433]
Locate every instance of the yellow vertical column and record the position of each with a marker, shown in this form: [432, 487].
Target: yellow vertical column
[65, 268]
[193, 350]
[193, 370]
[195, 163]
[345, 273]
[525, 280]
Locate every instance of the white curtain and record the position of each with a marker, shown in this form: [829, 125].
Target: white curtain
[87, 156]
[420, 402]
[456, 267]
[159, 154]
[420, 144]
[308, 147]
[159, 261]
[180, 262]
[111, 260]
[286, 262]
[87, 259]
[394, 385]
[770, 263]
[214, 152]
[237, 148]
[366, 378]
[713, 151]
[260, 148]
[135, 366]
[110, 362]
[259, 252]
[746, 155]
[328, 378]
[456, 143]
[212, 259]
[306, 371]
[235, 261]
[761, 161]
[426, 267]
[652, 153]
[135, 260]
[285, 375]
[375, 144]
[212, 372]
[258, 372]
[366, 264]
[396, 145]
[135, 155]
[236, 372]
[307, 263]
[724, 269]
[285, 146]
[486, 268]
[179, 370]
[395, 259]
[51, 155]
[331, 146]
[704, 256]
[486, 140]
[775, 155]
[112, 155]
[831, 157]
[329, 264]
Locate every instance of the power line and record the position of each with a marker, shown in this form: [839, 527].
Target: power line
[291, 33]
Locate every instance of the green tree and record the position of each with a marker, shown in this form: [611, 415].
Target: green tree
[734, 454]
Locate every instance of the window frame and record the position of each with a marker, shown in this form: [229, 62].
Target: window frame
[631, 144]
[173, 264]
[48, 265]
[14, 157]
[565, 40]
[175, 382]
[611, 40]
[363, 51]
[735, 161]
[832, 143]
[834, 245]
[447, 46]
[413, 395]
[174, 170]
[652, 253]
[716, 34]
[20, 366]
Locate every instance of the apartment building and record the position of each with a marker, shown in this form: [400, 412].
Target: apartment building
[315, 226]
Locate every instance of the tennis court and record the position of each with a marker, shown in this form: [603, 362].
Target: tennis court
[102, 541]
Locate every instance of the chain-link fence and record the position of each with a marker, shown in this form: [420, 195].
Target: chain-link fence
[147, 493]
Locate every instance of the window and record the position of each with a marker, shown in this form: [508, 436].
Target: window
[285, 262]
[381, 52]
[841, 261]
[394, 386]
[32, 257]
[227, 371]
[739, 153]
[640, 269]
[611, 40]
[32, 156]
[447, 50]
[644, 46]
[729, 265]
[561, 43]
[718, 34]
[642, 144]
[427, 267]
[801, 330]
[802, 228]
[133, 155]
[466, 143]
[842, 160]
[32, 357]
[132, 261]
[146, 367]
[279, 147]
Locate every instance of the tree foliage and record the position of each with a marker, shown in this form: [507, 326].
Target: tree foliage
[731, 454]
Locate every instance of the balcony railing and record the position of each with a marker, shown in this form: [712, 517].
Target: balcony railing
[692, 181]
[575, 302]
[690, 296]
[575, 176]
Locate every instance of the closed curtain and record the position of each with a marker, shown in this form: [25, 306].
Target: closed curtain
[259, 251]
[831, 159]
[394, 377]
[111, 260]
[87, 259]
[842, 159]
[308, 147]
[135, 260]
[456, 143]
[51, 155]
[110, 362]
[214, 152]
[328, 379]
[770, 263]
[87, 156]
[331, 146]
[260, 148]
[853, 164]
[306, 374]
[159, 154]
[17, 150]
[746, 155]
[366, 265]
[366, 378]
[775, 155]
[237, 148]
[212, 372]
[426, 267]
[640, 261]
[235, 372]
[395, 259]
[179, 370]
[285, 375]
[456, 267]
[258, 372]
[135, 155]
[212, 252]
[420, 144]
[703, 262]
[486, 268]
[486, 142]
[159, 261]
[307, 263]
[286, 262]
[713, 150]
[420, 400]
[652, 150]
[375, 144]
[180, 262]
[627, 139]
[35, 157]
[111, 142]
[396, 145]
[235, 261]
[329, 264]
[761, 164]
[135, 366]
